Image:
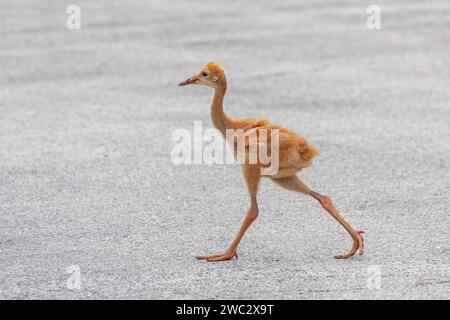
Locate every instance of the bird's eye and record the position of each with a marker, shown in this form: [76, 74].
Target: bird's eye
[204, 73]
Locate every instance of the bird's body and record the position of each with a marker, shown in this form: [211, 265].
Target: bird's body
[294, 153]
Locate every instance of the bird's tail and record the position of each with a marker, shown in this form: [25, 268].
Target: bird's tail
[306, 150]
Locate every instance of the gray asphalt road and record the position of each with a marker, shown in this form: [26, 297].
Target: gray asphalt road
[87, 182]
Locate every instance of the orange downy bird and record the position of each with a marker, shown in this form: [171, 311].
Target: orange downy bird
[295, 153]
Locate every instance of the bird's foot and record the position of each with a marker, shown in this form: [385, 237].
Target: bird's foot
[358, 244]
[227, 255]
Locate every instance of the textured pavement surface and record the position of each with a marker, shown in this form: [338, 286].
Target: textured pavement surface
[86, 177]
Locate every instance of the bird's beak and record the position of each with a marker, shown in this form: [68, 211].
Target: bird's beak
[192, 80]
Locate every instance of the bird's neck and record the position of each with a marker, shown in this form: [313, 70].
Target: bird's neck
[218, 117]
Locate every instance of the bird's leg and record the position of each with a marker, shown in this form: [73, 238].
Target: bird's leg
[358, 242]
[296, 183]
[231, 252]
[251, 177]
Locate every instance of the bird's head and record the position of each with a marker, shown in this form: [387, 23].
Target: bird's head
[212, 75]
